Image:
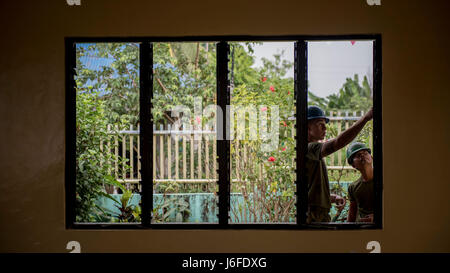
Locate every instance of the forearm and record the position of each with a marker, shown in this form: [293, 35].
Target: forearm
[345, 137]
[348, 135]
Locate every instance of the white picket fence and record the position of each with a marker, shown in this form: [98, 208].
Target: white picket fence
[189, 157]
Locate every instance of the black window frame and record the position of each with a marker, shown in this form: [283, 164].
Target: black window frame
[223, 146]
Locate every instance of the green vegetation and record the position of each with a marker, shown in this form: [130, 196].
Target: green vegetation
[351, 97]
[268, 197]
[109, 95]
[92, 165]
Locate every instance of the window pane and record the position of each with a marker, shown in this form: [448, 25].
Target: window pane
[340, 81]
[262, 133]
[184, 133]
[107, 132]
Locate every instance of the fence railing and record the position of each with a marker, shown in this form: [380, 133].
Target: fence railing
[189, 157]
[342, 120]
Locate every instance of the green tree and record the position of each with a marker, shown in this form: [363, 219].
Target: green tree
[182, 72]
[351, 96]
[270, 197]
[116, 80]
[93, 165]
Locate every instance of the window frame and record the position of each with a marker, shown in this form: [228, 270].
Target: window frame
[223, 146]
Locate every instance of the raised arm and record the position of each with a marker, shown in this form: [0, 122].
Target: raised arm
[346, 136]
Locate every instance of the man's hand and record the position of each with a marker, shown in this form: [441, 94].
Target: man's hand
[367, 219]
[369, 115]
[339, 201]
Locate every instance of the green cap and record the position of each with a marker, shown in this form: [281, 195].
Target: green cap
[353, 149]
[315, 112]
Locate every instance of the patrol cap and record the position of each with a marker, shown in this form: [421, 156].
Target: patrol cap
[353, 149]
[315, 112]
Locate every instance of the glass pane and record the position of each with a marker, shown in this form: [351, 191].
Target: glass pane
[107, 132]
[340, 81]
[262, 133]
[184, 134]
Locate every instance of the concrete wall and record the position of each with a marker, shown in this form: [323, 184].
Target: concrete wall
[415, 114]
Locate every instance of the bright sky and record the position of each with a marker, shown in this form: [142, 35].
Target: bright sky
[329, 63]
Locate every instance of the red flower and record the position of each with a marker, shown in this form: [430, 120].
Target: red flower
[289, 92]
[263, 109]
[263, 79]
[272, 88]
[271, 159]
[199, 120]
[283, 149]
[284, 124]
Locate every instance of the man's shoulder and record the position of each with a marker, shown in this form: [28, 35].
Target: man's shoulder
[314, 149]
[355, 183]
[312, 145]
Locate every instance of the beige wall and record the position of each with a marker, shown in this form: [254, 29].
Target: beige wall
[416, 125]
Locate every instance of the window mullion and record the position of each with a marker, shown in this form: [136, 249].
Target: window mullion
[301, 97]
[71, 137]
[223, 142]
[146, 131]
[377, 133]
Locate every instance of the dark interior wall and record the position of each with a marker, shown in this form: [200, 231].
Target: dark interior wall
[415, 117]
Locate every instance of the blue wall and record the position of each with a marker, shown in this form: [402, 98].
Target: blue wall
[202, 206]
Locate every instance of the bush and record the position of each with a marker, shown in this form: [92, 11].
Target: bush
[92, 164]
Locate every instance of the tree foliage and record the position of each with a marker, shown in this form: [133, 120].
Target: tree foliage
[182, 72]
[93, 165]
[270, 197]
[351, 96]
[115, 79]
[109, 95]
